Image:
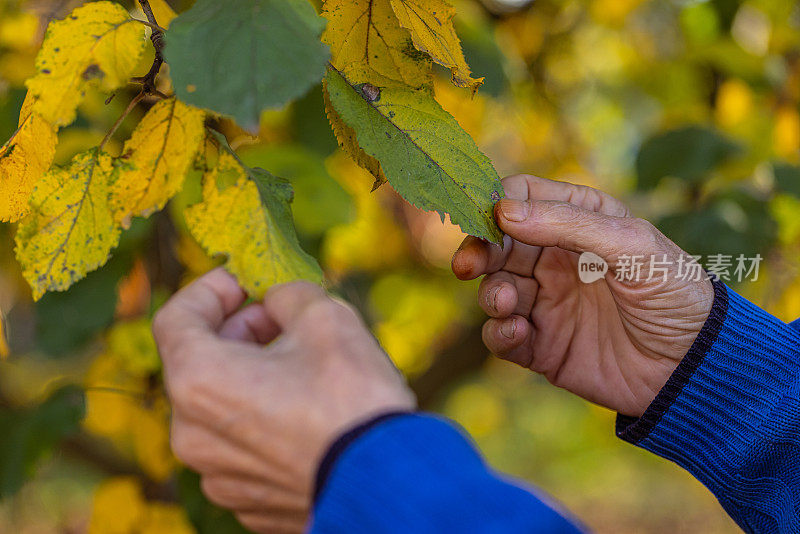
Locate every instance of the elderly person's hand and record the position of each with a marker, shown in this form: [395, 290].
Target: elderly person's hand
[255, 420]
[613, 342]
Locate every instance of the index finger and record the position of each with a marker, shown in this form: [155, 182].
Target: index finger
[475, 257]
[197, 310]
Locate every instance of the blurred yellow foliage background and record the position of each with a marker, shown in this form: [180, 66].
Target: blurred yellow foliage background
[574, 90]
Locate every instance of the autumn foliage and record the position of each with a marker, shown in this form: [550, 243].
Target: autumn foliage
[146, 142]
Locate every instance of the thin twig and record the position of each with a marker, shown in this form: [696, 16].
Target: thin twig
[138, 98]
[150, 25]
[149, 80]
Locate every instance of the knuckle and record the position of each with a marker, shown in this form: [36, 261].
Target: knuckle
[212, 489]
[565, 213]
[643, 233]
[325, 314]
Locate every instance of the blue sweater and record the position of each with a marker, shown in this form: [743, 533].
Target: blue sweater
[729, 414]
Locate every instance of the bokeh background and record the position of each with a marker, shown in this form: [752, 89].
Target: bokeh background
[688, 110]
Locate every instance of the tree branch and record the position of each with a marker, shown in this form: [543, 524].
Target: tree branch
[148, 81]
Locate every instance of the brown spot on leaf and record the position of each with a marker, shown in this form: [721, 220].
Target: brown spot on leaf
[370, 92]
[93, 72]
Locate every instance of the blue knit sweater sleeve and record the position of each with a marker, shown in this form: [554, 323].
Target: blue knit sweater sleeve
[418, 473]
[730, 414]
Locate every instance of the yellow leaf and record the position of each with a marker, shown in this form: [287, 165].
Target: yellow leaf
[118, 507]
[431, 25]
[23, 160]
[70, 230]
[368, 43]
[786, 133]
[97, 44]
[256, 237]
[347, 140]
[164, 518]
[156, 159]
[132, 343]
[373, 241]
[163, 13]
[734, 102]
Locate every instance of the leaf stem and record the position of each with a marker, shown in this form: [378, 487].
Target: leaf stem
[149, 24]
[138, 98]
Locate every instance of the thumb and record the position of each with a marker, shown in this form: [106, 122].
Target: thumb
[547, 223]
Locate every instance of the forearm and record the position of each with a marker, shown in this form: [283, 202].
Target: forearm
[730, 414]
[418, 473]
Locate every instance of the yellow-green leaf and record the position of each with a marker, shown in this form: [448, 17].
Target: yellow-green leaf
[347, 140]
[70, 230]
[156, 158]
[23, 160]
[97, 44]
[431, 25]
[426, 156]
[249, 222]
[369, 45]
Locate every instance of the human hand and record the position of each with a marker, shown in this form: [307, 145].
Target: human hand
[256, 420]
[612, 342]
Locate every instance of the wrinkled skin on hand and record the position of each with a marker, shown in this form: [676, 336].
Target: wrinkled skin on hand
[255, 420]
[612, 342]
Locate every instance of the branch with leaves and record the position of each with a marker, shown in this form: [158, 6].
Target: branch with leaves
[374, 57]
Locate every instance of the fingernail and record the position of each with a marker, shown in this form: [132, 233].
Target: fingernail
[508, 328]
[492, 298]
[515, 210]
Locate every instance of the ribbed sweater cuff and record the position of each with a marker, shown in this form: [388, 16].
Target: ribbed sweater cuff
[341, 444]
[723, 393]
[634, 429]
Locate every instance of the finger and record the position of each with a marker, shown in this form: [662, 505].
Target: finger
[251, 323]
[197, 310]
[497, 294]
[209, 453]
[285, 302]
[503, 335]
[569, 227]
[476, 257]
[245, 494]
[526, 186]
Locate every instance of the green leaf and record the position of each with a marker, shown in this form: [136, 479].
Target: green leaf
[787, 178]
[29, 434]
[239, 58]
[309, 126]
[484, 55]
[688, 153]
[320, 203]
[424, 153]
[733, 223]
